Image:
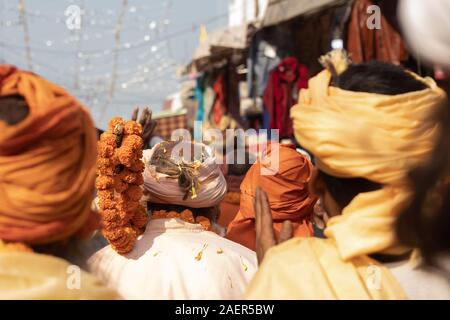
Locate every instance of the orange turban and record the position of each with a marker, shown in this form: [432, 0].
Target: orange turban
[288, 196]
[47, 163]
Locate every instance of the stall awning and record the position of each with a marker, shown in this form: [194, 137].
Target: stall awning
[282, 10]
[221, 43]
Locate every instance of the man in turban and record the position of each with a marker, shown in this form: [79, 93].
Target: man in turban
[367, 125]
[288, 196]
[47, 171]
[178, 256]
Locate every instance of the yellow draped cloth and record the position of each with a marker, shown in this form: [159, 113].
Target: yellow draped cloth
[31, 276]
[353, 135]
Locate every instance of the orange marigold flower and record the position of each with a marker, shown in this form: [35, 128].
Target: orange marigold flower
[113, 222]
[137, 166]
[108, 139]
[172, 214]
[187, 216]
[140, 218]
[104, 150]
[125, 214]
[106, 194]
[134, 142]
[134, 193]
[119, 185]
[114, 122]
[132, 127]
[126, 204]
[126, 156]
[107, 162]
[131, 177]
[204, 222]
[160, 214]
[105, 204]
[122, 239]
[105, 171]
[104, 182]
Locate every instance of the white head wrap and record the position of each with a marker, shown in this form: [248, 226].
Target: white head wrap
[426, 26]
[164, 189]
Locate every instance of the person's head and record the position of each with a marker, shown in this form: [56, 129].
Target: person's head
[287, 192]
[47, 151]
[424, 224]
[371, 77]
[183, 175]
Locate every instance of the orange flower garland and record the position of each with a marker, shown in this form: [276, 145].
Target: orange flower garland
[185, 215]
[119, 177]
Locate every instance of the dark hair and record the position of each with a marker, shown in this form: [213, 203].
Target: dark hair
[372, 77]
[13, 109]
[378, 77]
[344, 190]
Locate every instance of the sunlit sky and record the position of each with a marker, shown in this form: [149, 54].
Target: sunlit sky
[157, 37]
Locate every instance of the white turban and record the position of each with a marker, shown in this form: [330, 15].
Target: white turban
[426, 26]
[164, 189]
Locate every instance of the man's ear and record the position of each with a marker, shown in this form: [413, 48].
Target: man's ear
[316, 185]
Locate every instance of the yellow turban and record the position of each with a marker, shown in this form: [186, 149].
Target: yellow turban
[353, 135]
[372, 136]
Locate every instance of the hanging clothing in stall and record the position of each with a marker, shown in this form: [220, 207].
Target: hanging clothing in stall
[267, 48]
[199, 91]
[218, 116]
[220, 104]
[281, 94]
[208, 96]
[365, 44]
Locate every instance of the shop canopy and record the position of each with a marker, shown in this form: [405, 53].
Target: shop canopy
[282, 10]
[220, 43]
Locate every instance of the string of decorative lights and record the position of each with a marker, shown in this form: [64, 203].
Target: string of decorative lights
[23, 18]
[143, 69]
[116, 51]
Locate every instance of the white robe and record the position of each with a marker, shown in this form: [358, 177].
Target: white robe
[166, 263]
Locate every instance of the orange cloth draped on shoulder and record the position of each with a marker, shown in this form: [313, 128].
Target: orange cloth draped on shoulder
[47, 163]
[287, 191]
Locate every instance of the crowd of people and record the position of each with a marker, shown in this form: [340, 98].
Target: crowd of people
[365, 216]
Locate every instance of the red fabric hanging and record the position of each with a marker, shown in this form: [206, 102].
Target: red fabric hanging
[281, 93]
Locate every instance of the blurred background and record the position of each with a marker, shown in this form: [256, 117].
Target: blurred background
[221, 62]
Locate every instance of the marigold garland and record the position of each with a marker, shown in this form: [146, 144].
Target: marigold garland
[119, 177]
[186, 215]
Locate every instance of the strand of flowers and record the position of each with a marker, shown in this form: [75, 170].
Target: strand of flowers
[186, 215]
[119, 180]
